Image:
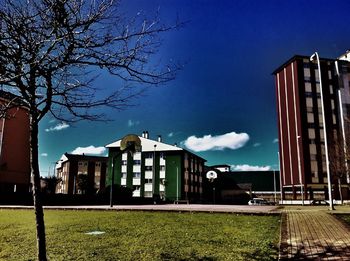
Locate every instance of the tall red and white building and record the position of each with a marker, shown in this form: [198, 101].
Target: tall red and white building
[302, 151]
[14, 148]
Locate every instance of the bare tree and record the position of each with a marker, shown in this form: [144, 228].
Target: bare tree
[339, 155]
[51, 51]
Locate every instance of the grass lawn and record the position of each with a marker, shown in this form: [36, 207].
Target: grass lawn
[344, 217]
[140, 236]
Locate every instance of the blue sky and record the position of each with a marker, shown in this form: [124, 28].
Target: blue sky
[222, 104]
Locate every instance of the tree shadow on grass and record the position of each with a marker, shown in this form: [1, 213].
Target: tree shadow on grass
[318, 252]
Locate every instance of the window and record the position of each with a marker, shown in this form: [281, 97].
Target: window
[332, 104]
[123, 175]
[136, 174]
[308, 87]
[310, 118]
[311, 133]
[312, 148]
[331, 89]
[162, 168]
[318, 90]
[320, 119]
[317, 78]
[309, 102]
[148, 181]
[314, 168]
[124, 162]
[329, 74]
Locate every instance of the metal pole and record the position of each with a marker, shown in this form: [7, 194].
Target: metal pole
[112, 183]
[324, 132]
[274, 185]
[154, 171]
[213, 192]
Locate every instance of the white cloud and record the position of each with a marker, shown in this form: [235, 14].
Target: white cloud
[256, 144]
[230, 140]
[246, 167]
[132, 123]
[44, 154]
[171, 134]
[275, 140]
[58, 127]
[89, 150]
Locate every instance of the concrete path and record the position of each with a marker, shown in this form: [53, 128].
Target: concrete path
[172, 207]
[313, 235]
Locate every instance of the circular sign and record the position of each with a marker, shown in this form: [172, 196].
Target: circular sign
[211, 174]
[131, 140]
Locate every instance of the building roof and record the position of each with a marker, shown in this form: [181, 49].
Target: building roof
[220, 166]
[294, 58]
[148, 145]
[8, 96]
[75, 157]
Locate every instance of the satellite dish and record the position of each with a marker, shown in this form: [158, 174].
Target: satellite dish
[211, 175]
[131, 142]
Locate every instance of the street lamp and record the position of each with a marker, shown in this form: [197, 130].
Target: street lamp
[317, 58]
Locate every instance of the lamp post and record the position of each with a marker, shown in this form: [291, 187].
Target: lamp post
[274, 185]
[317, 58]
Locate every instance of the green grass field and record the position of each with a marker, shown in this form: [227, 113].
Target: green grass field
[140, 236]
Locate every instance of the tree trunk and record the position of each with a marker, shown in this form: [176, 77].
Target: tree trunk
[39, 213]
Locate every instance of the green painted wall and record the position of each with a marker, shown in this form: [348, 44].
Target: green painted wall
[142, 189]
[171, 162]
[117, 167]
[156, 174]
[129, 170]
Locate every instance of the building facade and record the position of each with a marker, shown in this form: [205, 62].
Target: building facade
[71, 166]
[14, 148]
[158, 170]
[304, 115]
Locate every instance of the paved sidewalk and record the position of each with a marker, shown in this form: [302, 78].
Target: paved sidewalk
[263, 210]
[313, 235]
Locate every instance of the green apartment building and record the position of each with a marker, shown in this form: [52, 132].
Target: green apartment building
[158, 170]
